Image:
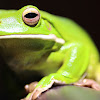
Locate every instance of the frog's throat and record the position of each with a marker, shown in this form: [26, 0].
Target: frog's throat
[35, 36]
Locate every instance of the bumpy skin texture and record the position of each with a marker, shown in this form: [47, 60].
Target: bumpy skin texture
[62, 64]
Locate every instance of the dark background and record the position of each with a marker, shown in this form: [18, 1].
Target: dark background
[84, 12]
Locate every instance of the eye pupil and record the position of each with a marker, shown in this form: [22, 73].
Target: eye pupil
[31, 15]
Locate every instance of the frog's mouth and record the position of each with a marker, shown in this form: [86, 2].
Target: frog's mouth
[50, 37]
[35, 42]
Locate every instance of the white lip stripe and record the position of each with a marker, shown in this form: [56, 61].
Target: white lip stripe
[35, 36]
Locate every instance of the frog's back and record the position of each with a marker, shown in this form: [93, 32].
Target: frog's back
[68, 29]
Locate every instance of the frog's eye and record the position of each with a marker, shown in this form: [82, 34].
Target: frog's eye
[31, 16]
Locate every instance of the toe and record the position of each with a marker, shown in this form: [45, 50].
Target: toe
[30, 87]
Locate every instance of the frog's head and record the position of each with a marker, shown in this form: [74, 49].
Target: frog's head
[28, 22]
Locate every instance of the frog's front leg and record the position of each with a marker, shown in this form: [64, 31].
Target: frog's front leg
[74, 64]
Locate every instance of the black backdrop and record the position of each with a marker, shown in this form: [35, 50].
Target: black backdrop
[84, 12]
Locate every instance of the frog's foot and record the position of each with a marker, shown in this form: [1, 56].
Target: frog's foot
[30, 87]
[43, 85]
[36, 93]
[88, 83]
[33, 95]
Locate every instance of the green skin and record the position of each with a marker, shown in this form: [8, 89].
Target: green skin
[64, 62]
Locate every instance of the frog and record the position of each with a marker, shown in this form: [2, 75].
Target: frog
[35, 43]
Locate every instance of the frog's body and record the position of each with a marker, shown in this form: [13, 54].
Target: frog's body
[64, 56]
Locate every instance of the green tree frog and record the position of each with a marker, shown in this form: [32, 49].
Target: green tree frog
[36, 43]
